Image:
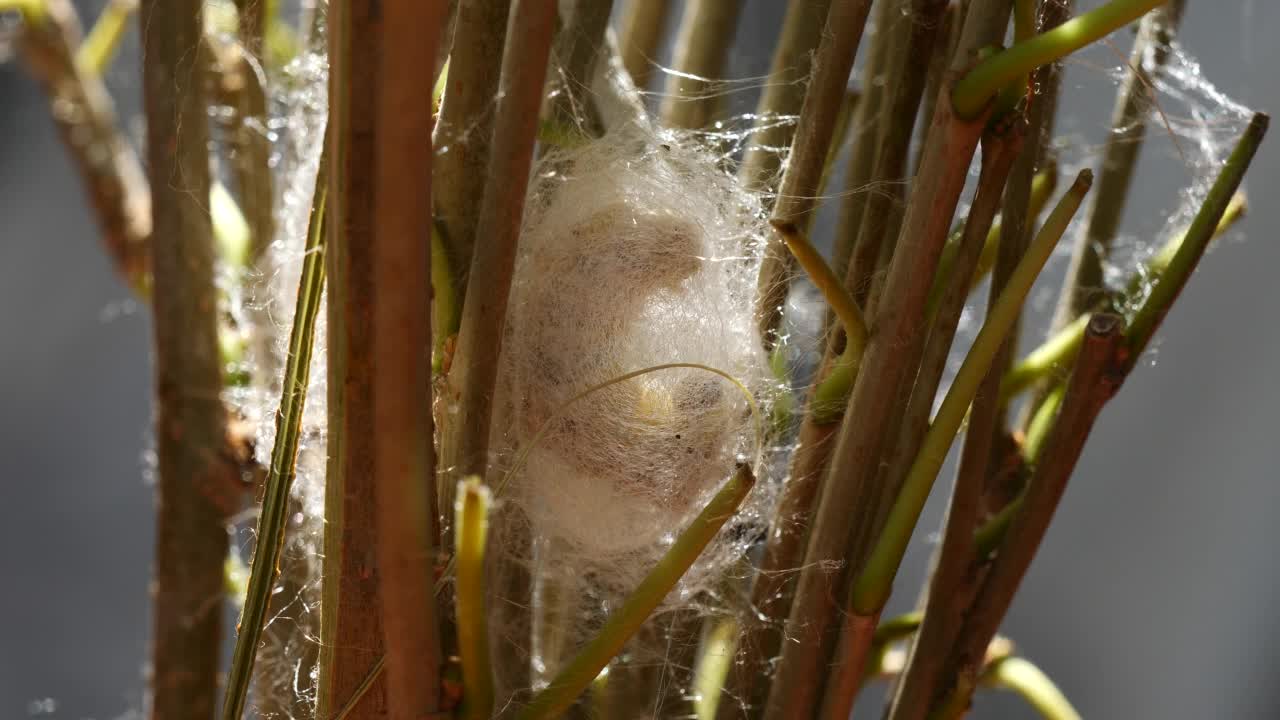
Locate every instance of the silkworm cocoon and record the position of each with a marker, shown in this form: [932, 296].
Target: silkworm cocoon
[632, 255]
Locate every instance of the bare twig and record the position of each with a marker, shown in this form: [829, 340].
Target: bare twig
[796, 688]
[1151, 49]
[862, 156]
[797, 196]
[85, 117]
[276, 501]
[642, 25]
[577, 48]
[702, 47]
[465, 442]
[403, 453]
[907, 64]
[351, 637]
[784, 92]
[1097, 375]
[465, 129]
[944, 608]
[199, 483]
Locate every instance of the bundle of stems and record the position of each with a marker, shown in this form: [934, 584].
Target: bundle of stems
[408, 274]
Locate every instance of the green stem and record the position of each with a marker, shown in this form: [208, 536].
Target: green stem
[980, 85]
[1170, 283]
[873, 586]
[275, 499]
[1057, 353]
[1030, 682]
[99, 47]
[831, 287]
[472, 521]
[623, 624]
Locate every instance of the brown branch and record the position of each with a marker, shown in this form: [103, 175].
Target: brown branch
[832, 554]
[403, 451]
[784, 91]
[856, 460]
[702, 48]
[465, 129]
[577, 50]
[947, 597]
[642, 25]
[862, 157]
[797, 196]
[465, 441]
[86, 120]
[351, 636]
[199, 483]
[1098, 373]
[907, 65]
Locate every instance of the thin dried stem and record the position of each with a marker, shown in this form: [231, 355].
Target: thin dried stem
[1084, 286]
[702, 48]
[573, 679]
[797, 686]
[199, 484]
[784, 92]
[276, 502]
[465, 128]
[86, 120]
[946, 599]
[642, 25]
[577, 49]
[798, 194]
[465, 443]
[1097, 375]
[351, 636]
[908, 64]
[403, 454]
[862, 158]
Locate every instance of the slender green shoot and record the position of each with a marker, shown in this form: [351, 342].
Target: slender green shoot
[713, 667]
[445, 312]
[1055, 355]
[830, 285]
[987, 538]
[830, 396]
[887, 633]
[552, 701]
[1058, 352]
[275, 501]
[1147, 318]
[1042, 186]
[472, 532]
[99, 48]
[1030, 682]
[972, 93]
[874, 585]
[1024, 20]
[32, 11]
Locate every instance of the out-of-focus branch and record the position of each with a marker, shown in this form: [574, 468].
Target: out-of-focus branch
[198, 486]
[86, 120]
[702, 47]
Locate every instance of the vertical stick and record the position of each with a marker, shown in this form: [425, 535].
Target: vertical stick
[86, 121]
[784, 91]
[351, 625]
[642, 24]
[702, 46]
[797, 196]
[196, 475]
[465, 444]
[403, 450]
[465, 130]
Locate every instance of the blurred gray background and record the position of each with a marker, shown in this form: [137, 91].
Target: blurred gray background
[1153, 595]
